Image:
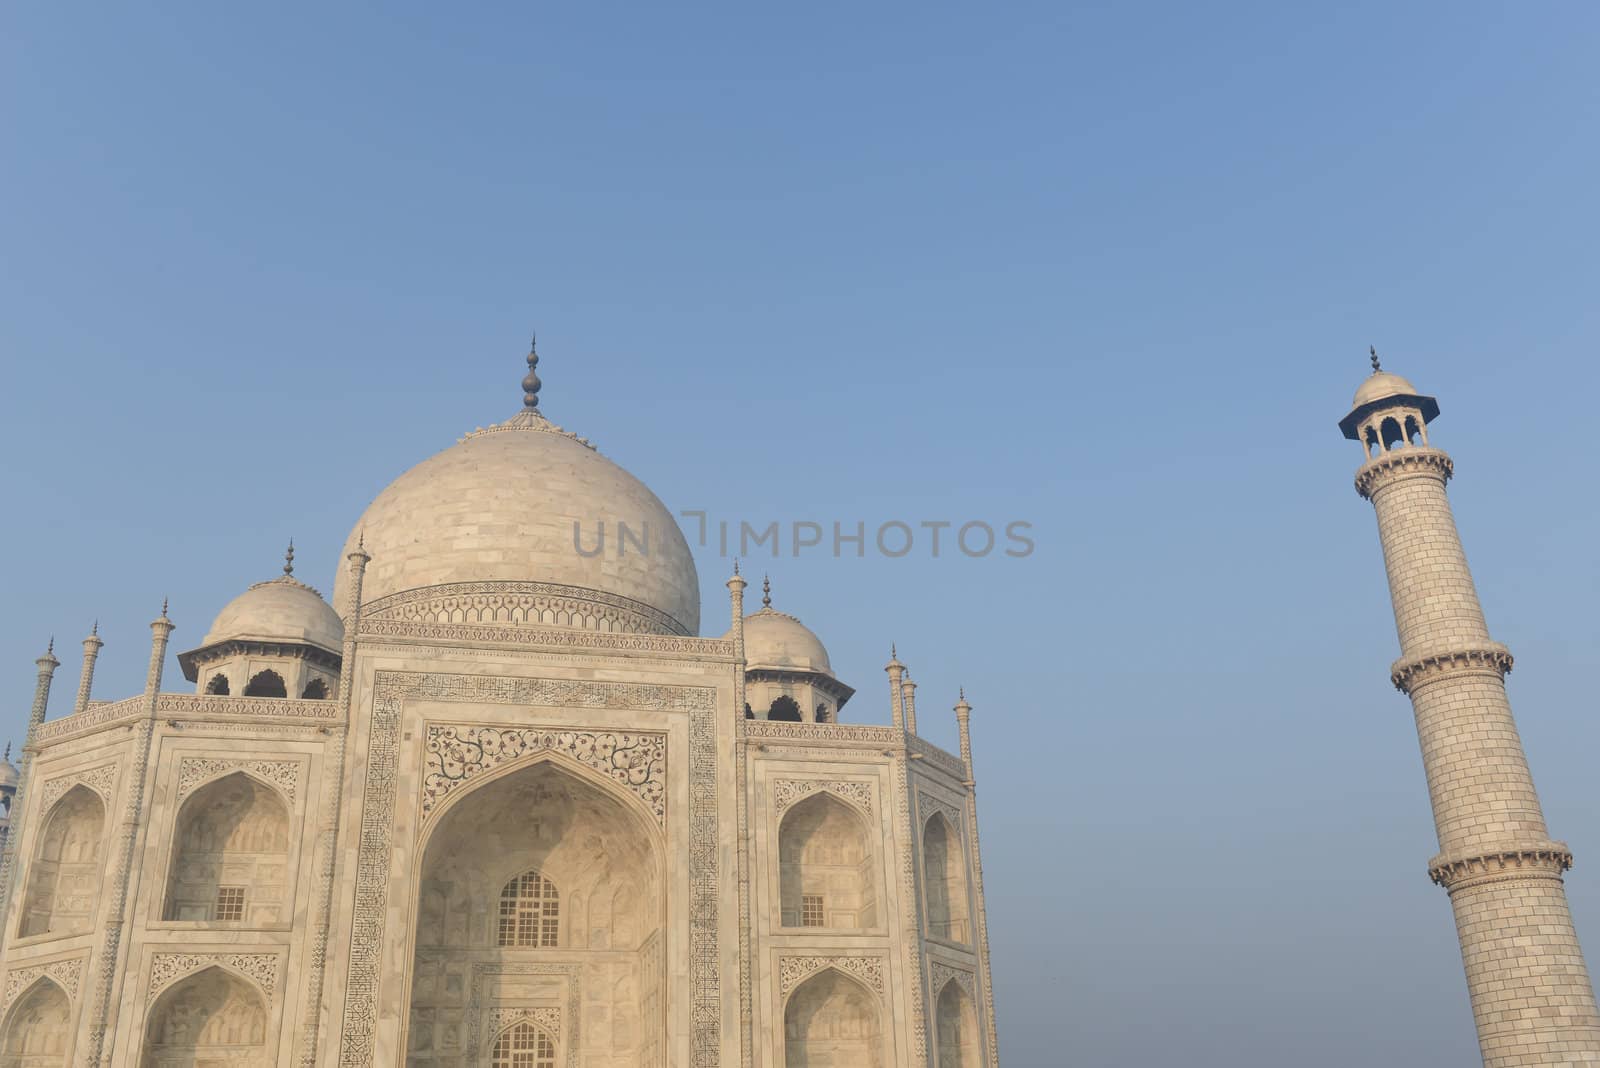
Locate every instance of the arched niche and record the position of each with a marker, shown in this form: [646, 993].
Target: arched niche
[956, 1023]
[38, 1030]
[230, 855]
[785, 709]
[543, 870]
[64, 878]
[523, 1045]
[944, 881]
[218, 686]
[212, 1017]
[266, 683]
[825, 863]
[832, 1021]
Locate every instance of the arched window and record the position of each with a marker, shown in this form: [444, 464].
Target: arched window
[212, 1017]
[316, 690]
[825, 866]
[523, 1045]
[784, 709]
[944, 871]
[64, 879]
[1390, 431]
[749, 713]
[266, 684]
[957, 1026]
[530, 912]
[823, 713]
[39, 1029]
[230, 861]
[218, 685]
[1413, 430]
[832, 1020]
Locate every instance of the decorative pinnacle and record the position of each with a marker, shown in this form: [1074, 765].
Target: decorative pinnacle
[50, 648]
[735, 565]
[163, 608]
[531, 384]
[288, 559]
[1373, 349]
[766, 592]
[94, 631]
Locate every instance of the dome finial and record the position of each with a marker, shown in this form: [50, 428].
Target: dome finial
[531, 384]
[766, 591]
[288, 559]
[1373, 349]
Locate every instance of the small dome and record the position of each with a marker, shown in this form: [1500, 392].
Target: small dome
[502, 505]
[1382, 384]
[774, 639]
[284, 609]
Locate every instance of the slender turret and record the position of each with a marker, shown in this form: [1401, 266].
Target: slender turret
[1531, 995]
[91, 652]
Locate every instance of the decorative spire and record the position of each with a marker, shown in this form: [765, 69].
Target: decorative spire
[735, 565]
[1373, 349]
[94, 631]
[163, 608]
[531, 384]
[50, 649]
[962, 691]
[766, 591]
[288, 559]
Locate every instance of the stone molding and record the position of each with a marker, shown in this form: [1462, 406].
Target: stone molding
[1541, 860]
[794, 970]
[543, 637]
[168, 968]
[942, 973]
[948, 763]
[375, 842]
[888, 737]
[101, 779]
[194, 772]
[507, 603]
[788, 792]
[455, 753]
[96, 715]
[1412, 461]
[67, 974]
[1410, 674]
[477, 1013]
[208, 706]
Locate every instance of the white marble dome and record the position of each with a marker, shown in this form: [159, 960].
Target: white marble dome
[774, 639]
[284, 609]
[501, 506]
[1379, 385]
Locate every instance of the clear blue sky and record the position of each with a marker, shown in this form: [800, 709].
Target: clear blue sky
[1111, 269]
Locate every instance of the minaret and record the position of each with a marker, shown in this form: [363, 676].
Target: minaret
[1531, 995]
[908, 699]
[896, 671]
[91, 651]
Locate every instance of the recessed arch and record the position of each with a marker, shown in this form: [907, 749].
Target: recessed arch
[1390, 432]
[267, 683]
[316, 690]
[230, 854]
[218, 686]
[956, 1026]
[832, 1020]
[826, 866]
[784, 710]
[38, 1029]
[64, 879]
[213, 1016]
[944, 881]
[598, 846]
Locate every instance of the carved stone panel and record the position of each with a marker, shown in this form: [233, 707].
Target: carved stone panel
[101, 780]
[67, 974]
[167, 968]
[794, 970]
[456, 753]
[785, 792]
[194, 771]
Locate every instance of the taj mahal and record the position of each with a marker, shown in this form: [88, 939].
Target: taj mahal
[495, 801]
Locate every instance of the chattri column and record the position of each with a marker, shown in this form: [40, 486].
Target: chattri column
[1531, 995]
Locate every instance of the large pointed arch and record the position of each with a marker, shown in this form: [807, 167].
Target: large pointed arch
[826, 866]
[833, 1019]
[230, 854]
[38, 1029]
[944, 881]
[581, 833]
[956, 1027]
[213, 1015]
[63, 881]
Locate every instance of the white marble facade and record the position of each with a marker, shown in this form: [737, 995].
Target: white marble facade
[502, 808]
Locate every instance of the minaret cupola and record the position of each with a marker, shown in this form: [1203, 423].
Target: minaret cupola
[1388, 413]
[787, 673]
[277, 639]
